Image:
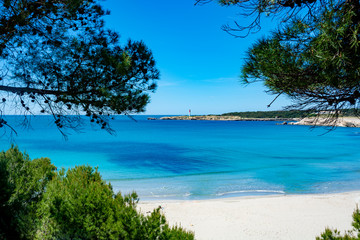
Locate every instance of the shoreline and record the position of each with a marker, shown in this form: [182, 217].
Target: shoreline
[329, 122]
[222, 118]
[295, 217]
[309, 121]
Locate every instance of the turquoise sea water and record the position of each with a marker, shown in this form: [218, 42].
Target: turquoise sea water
[204, 159]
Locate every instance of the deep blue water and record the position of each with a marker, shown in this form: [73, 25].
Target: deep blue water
[203, 159]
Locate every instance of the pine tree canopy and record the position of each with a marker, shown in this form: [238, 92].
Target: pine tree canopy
[256, 10]
[315, 62]
[58, 58]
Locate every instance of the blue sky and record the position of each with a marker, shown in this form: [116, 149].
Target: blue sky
[199, 63]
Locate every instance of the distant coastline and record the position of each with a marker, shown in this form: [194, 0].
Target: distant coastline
[307, 121]
[223, 118]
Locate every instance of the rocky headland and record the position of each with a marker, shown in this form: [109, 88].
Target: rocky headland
[337, 122]
[312, 121]
[224, 118]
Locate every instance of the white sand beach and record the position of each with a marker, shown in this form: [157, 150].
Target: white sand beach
[291, 217]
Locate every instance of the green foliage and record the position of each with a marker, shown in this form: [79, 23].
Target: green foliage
[313, 58]
[23, 183]
[38, 203]
[356, 221]
[352, 112]
[270, 114]
[155, 227]
[315, 62]
[349, 235]
[57, 57]
[79, 204]
[255, 10]
[67, 202]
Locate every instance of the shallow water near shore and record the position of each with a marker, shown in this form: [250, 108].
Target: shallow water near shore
[203, 159]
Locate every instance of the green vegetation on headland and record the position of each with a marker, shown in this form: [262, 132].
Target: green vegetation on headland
[265, 115]
[289, 114]
[221, 118]
[246, 116]
[38, 202]
[269, 114]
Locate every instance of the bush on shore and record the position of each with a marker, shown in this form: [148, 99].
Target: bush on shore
[349, 235]
[38, 202]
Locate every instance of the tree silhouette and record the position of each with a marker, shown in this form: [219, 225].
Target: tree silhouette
[313, 57]
[57, 58]
[316, 63]
[284, 10]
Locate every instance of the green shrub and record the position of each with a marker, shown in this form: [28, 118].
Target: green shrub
[80, 205]
[36, 202]
[349, 235]
[22, 185]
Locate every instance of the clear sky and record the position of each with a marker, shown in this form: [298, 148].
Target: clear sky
[199, 63]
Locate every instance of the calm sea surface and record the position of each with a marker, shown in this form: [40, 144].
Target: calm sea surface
[203, 159]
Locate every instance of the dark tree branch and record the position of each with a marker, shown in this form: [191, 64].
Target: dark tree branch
[59, 56]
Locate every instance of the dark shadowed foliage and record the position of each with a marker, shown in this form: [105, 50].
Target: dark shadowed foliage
[38, 203]
[22, 185]
[316, 64]
[58, 58]
[256, 10]
[313, 57]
